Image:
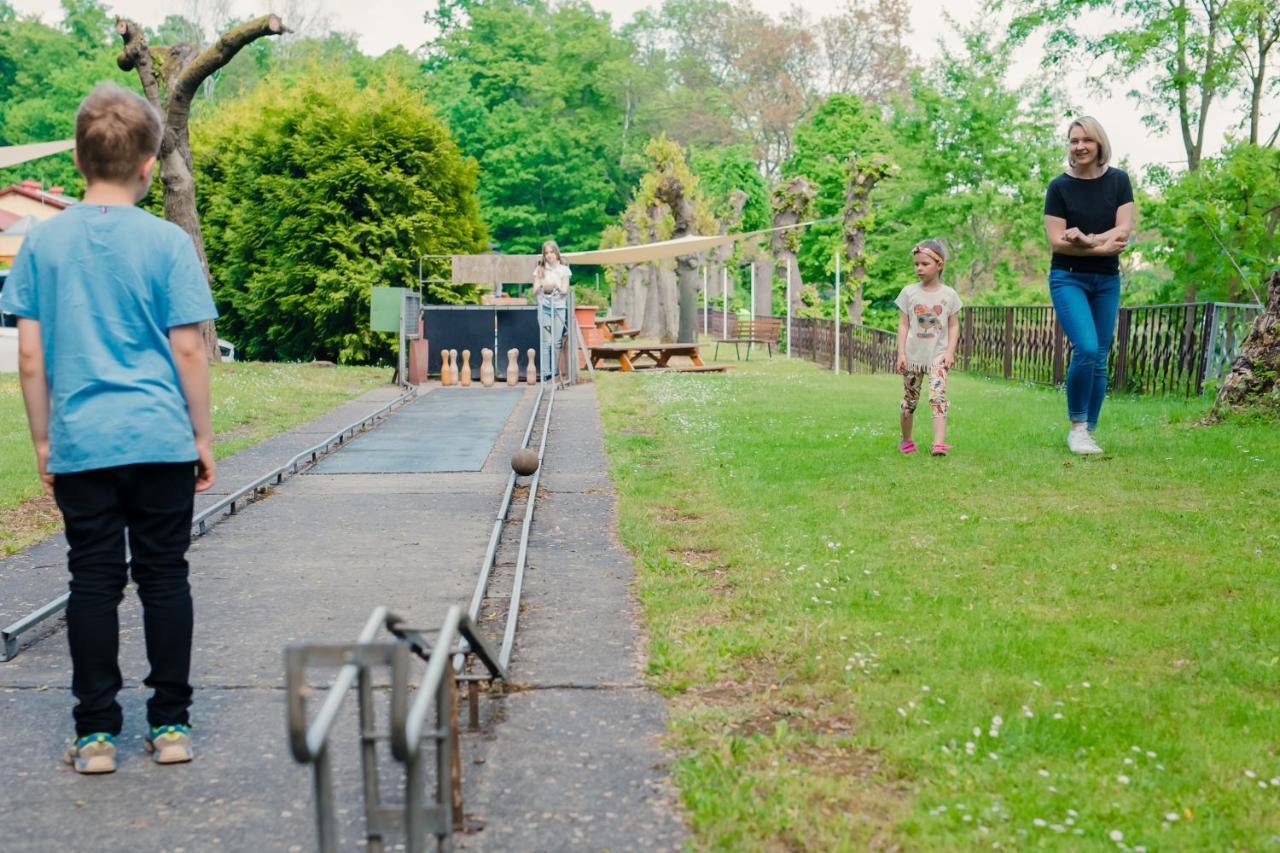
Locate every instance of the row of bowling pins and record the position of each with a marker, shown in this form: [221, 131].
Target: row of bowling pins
[450, 374]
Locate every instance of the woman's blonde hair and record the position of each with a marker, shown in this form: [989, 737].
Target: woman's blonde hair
[1093, 128]
[553, 246]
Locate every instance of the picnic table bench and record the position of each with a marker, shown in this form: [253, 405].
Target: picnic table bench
[751, 332]
[626, 354]
[615, 326]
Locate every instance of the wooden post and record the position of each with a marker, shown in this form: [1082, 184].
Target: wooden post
[1059, 351]
[966, 339]
[1008, 343]
[1121, 375]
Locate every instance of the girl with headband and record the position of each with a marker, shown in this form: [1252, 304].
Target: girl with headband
[928, 330]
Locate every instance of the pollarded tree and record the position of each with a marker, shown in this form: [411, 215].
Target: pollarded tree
[864, 174]
[792, 204]
[1254, 379]
[315, 193]
[171, 77]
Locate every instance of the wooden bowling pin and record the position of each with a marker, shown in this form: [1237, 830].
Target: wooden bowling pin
[445, 376]
[531, 372]
[464, 377]
[513, 367]
[486, 367]
[453, 367]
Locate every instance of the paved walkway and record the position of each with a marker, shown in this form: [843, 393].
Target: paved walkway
[573, 761]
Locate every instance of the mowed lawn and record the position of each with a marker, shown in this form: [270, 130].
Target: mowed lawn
[251, 402]
[1009, 647]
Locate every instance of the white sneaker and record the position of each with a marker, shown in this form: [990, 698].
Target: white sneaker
[1081, 443]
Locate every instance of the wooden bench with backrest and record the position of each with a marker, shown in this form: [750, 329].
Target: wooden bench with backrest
[751, 332]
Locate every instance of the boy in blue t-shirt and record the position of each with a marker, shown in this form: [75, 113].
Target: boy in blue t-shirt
[116, 384]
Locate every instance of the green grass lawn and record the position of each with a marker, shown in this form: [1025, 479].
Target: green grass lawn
[1009, 646]
[251, 402]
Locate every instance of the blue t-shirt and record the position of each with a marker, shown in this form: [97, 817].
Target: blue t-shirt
[106, 284]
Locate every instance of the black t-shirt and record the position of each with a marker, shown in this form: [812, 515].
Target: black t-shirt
[1089, 204]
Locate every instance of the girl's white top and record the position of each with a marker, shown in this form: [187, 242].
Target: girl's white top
[551, 283]
[928, 312]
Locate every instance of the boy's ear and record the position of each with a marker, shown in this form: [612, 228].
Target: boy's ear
[147, 166]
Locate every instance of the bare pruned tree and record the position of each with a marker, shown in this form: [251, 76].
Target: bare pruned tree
[170, 78]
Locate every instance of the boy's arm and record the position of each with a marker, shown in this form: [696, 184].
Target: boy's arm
[35, 393]
[193, 372]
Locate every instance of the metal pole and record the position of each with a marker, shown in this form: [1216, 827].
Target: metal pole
[837, 358]
[724, 299]
[788, 307]
[753, 290]
[706, 311]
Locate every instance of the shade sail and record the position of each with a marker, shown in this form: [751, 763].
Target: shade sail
[669, 248]
[12, 155]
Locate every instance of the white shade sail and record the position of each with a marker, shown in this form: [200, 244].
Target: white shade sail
[668, 248]
[12, 155]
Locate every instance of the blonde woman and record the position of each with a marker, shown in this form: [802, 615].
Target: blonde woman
[1088, 214]
[551, 285]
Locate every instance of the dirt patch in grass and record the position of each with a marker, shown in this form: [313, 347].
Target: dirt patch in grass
[29, 521]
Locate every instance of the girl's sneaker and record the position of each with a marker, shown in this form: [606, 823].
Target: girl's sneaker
[93, 753]
[169, 744]
[940, 449]
[907, 447]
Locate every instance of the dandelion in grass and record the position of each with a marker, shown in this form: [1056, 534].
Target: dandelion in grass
[1122, 779]
[1116, 835]
[1058, 716]
[1040, 822]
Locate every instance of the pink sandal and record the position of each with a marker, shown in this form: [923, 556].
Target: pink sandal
[940, 449]
[907, 447]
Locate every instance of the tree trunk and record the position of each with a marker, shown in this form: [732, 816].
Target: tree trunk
[690, 284]
[637, 276]
[763, 304]
[652, 325]
[1254, 380]
[863, 177]
[792, 204]
[170, 89]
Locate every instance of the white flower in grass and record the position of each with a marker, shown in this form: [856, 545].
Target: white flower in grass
[997, 721]
[1073, 812]
[1040, 822]
[1057, 827]
[1036, 683]
[1057, 716]
[977, 731]
[924, 688]
[1135, 749]
[1117, 835]
[1128, 761]
[1122, 779]
[970, 747]
[993, 756]
[1044, 773]
[1085, 684]
[1027, 712]
[1249, 774]
[902, 712]
[1171, 816]
[1150, 754]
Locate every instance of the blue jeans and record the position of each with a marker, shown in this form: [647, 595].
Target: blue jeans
[1087, 305]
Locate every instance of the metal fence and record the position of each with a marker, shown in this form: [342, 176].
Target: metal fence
[1158, 349]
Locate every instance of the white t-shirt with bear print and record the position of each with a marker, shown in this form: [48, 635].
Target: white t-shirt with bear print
[928, 311]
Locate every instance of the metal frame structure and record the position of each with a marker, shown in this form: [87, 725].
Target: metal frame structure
[200, 522]
[417, 817]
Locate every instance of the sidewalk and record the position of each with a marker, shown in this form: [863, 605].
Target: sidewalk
[573, 760]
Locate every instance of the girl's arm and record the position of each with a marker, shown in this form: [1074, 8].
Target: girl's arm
[35, 394]
[953, 338]
[904, 328]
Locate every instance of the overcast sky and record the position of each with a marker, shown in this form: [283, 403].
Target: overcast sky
[382, 24]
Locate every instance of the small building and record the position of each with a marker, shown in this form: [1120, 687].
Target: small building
[29, 198]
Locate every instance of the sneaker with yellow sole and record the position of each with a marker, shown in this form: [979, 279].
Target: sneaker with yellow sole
[169, 744]
[93, 753]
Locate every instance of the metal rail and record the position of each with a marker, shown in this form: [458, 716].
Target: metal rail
[417, 817]
[200, 522]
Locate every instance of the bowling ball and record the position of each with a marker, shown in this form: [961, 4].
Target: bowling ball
[524, 461]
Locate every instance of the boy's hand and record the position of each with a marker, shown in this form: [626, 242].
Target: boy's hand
[205, 466]
[42, 465]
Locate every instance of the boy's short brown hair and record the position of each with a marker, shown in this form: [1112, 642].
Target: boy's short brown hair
[115, 131]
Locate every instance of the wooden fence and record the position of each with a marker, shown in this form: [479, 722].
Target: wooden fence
[1158, 349]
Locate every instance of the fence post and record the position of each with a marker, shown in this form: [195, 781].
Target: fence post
[1008, 343]
[966, 339]
[1121, 374]
[1208, 346]
[1059, 350]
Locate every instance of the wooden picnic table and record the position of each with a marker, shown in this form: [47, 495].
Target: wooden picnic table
[626, 354]
[611, 325]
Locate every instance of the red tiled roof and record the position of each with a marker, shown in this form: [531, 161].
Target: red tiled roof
[32, 190]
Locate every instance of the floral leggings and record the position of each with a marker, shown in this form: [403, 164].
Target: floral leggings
[911, 382]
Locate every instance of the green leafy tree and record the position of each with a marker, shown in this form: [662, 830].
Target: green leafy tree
[723, 169]
[533, 93]
[45, 71]
[315, 193]
[1216, 227]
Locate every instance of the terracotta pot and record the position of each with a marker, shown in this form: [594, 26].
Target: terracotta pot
[585, 317]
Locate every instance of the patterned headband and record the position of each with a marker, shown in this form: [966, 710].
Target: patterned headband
[930, 252]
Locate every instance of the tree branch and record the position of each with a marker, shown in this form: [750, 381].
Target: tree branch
[220, 53]
[136, 55]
